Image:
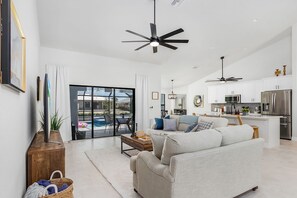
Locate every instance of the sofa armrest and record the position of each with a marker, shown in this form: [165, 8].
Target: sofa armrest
[154, 164]
[133, 163]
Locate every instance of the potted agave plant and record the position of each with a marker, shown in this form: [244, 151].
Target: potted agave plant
[56, 121]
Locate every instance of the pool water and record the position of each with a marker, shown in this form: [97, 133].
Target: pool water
[97, 123]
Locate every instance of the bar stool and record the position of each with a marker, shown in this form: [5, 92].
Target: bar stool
[256, 128]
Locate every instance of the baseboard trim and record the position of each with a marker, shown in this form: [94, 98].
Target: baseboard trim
[294, 139]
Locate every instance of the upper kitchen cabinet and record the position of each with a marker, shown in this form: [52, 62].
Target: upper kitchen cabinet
[216, 93]
[250, 91]
[277, 83]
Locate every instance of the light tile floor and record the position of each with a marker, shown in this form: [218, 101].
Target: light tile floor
[279, 177]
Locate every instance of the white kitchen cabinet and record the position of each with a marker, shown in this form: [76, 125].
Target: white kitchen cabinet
[250, 91]
[216, 94]
[277, 83]
[211, 94]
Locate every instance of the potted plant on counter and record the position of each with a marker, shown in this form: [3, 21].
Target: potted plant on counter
[245, 110]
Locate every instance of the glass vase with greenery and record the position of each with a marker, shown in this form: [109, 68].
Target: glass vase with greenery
[245, 110]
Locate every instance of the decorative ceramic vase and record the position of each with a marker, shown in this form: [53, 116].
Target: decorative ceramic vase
[285, 70]
[277, 72]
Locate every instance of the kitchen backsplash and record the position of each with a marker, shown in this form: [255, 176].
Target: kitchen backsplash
[252, 106]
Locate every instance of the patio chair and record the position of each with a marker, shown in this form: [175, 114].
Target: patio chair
[108, 121]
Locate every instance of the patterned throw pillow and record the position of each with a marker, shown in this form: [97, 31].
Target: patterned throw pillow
[191, 127]
[169, 124]
[202, 125]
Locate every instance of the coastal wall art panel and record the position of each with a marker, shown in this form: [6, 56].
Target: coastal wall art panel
[13, 49]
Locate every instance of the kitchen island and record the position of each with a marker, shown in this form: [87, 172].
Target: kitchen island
[269, 126]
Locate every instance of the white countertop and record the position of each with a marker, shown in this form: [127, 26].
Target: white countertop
[250, 116]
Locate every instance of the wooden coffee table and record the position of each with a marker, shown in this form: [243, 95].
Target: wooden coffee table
[135, 143]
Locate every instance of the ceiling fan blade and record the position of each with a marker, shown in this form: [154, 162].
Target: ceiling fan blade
[233, 79]
[176, 41]
[155, 49]
[180, 30]
[212, 81]
[167, 45]
[137, 34]
[154, 30]
[142, 46]
[134, 41]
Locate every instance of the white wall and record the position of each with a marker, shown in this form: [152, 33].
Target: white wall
[18, 111]
[255, 66]
[89, 69]
[294, 74]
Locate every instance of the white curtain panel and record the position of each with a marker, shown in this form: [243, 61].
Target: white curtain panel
[60, 99]
[141, 102]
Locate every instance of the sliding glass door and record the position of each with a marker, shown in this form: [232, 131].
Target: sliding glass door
[124, 111]
[101, 111]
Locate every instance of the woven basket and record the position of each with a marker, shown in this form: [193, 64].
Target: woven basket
[56, 183]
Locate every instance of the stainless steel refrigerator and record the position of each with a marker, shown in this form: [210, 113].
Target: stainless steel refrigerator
[279, 103]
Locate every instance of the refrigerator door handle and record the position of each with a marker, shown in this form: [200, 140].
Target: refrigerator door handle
[274, 96]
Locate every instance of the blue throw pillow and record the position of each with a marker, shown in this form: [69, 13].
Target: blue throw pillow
[159, 123]
[167, 117]
[191, 127]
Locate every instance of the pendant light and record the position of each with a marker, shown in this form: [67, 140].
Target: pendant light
[172, 96]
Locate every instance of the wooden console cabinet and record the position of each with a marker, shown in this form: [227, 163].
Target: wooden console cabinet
[44, 158]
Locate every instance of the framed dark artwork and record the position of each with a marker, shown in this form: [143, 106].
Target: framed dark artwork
[13, 48]
[155, 95]
[38, 81]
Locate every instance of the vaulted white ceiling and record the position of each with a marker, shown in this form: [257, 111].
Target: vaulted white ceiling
[234, 28]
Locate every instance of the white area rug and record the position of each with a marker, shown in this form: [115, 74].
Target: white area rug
[115, 167]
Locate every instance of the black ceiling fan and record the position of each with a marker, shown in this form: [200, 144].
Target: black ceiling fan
[223, 79]
[154, 40]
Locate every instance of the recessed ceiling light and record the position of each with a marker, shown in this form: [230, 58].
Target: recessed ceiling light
[255, 20]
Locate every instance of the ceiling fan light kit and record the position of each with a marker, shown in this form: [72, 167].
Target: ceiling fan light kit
[155, 40]
[223, 79]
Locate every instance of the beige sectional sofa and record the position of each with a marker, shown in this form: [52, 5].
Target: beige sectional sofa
[215, 163]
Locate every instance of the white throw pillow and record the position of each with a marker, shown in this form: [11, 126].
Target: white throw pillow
[169, 124]
[189, 142]
[158, 143]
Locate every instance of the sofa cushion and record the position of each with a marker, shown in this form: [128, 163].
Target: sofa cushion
[158, 143]
[159, 123]
[202, 125]
[218, 122]
[235, 134]
[189, 142]
[169, 125]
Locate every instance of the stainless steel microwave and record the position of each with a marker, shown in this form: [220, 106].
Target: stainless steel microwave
[233, 98]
